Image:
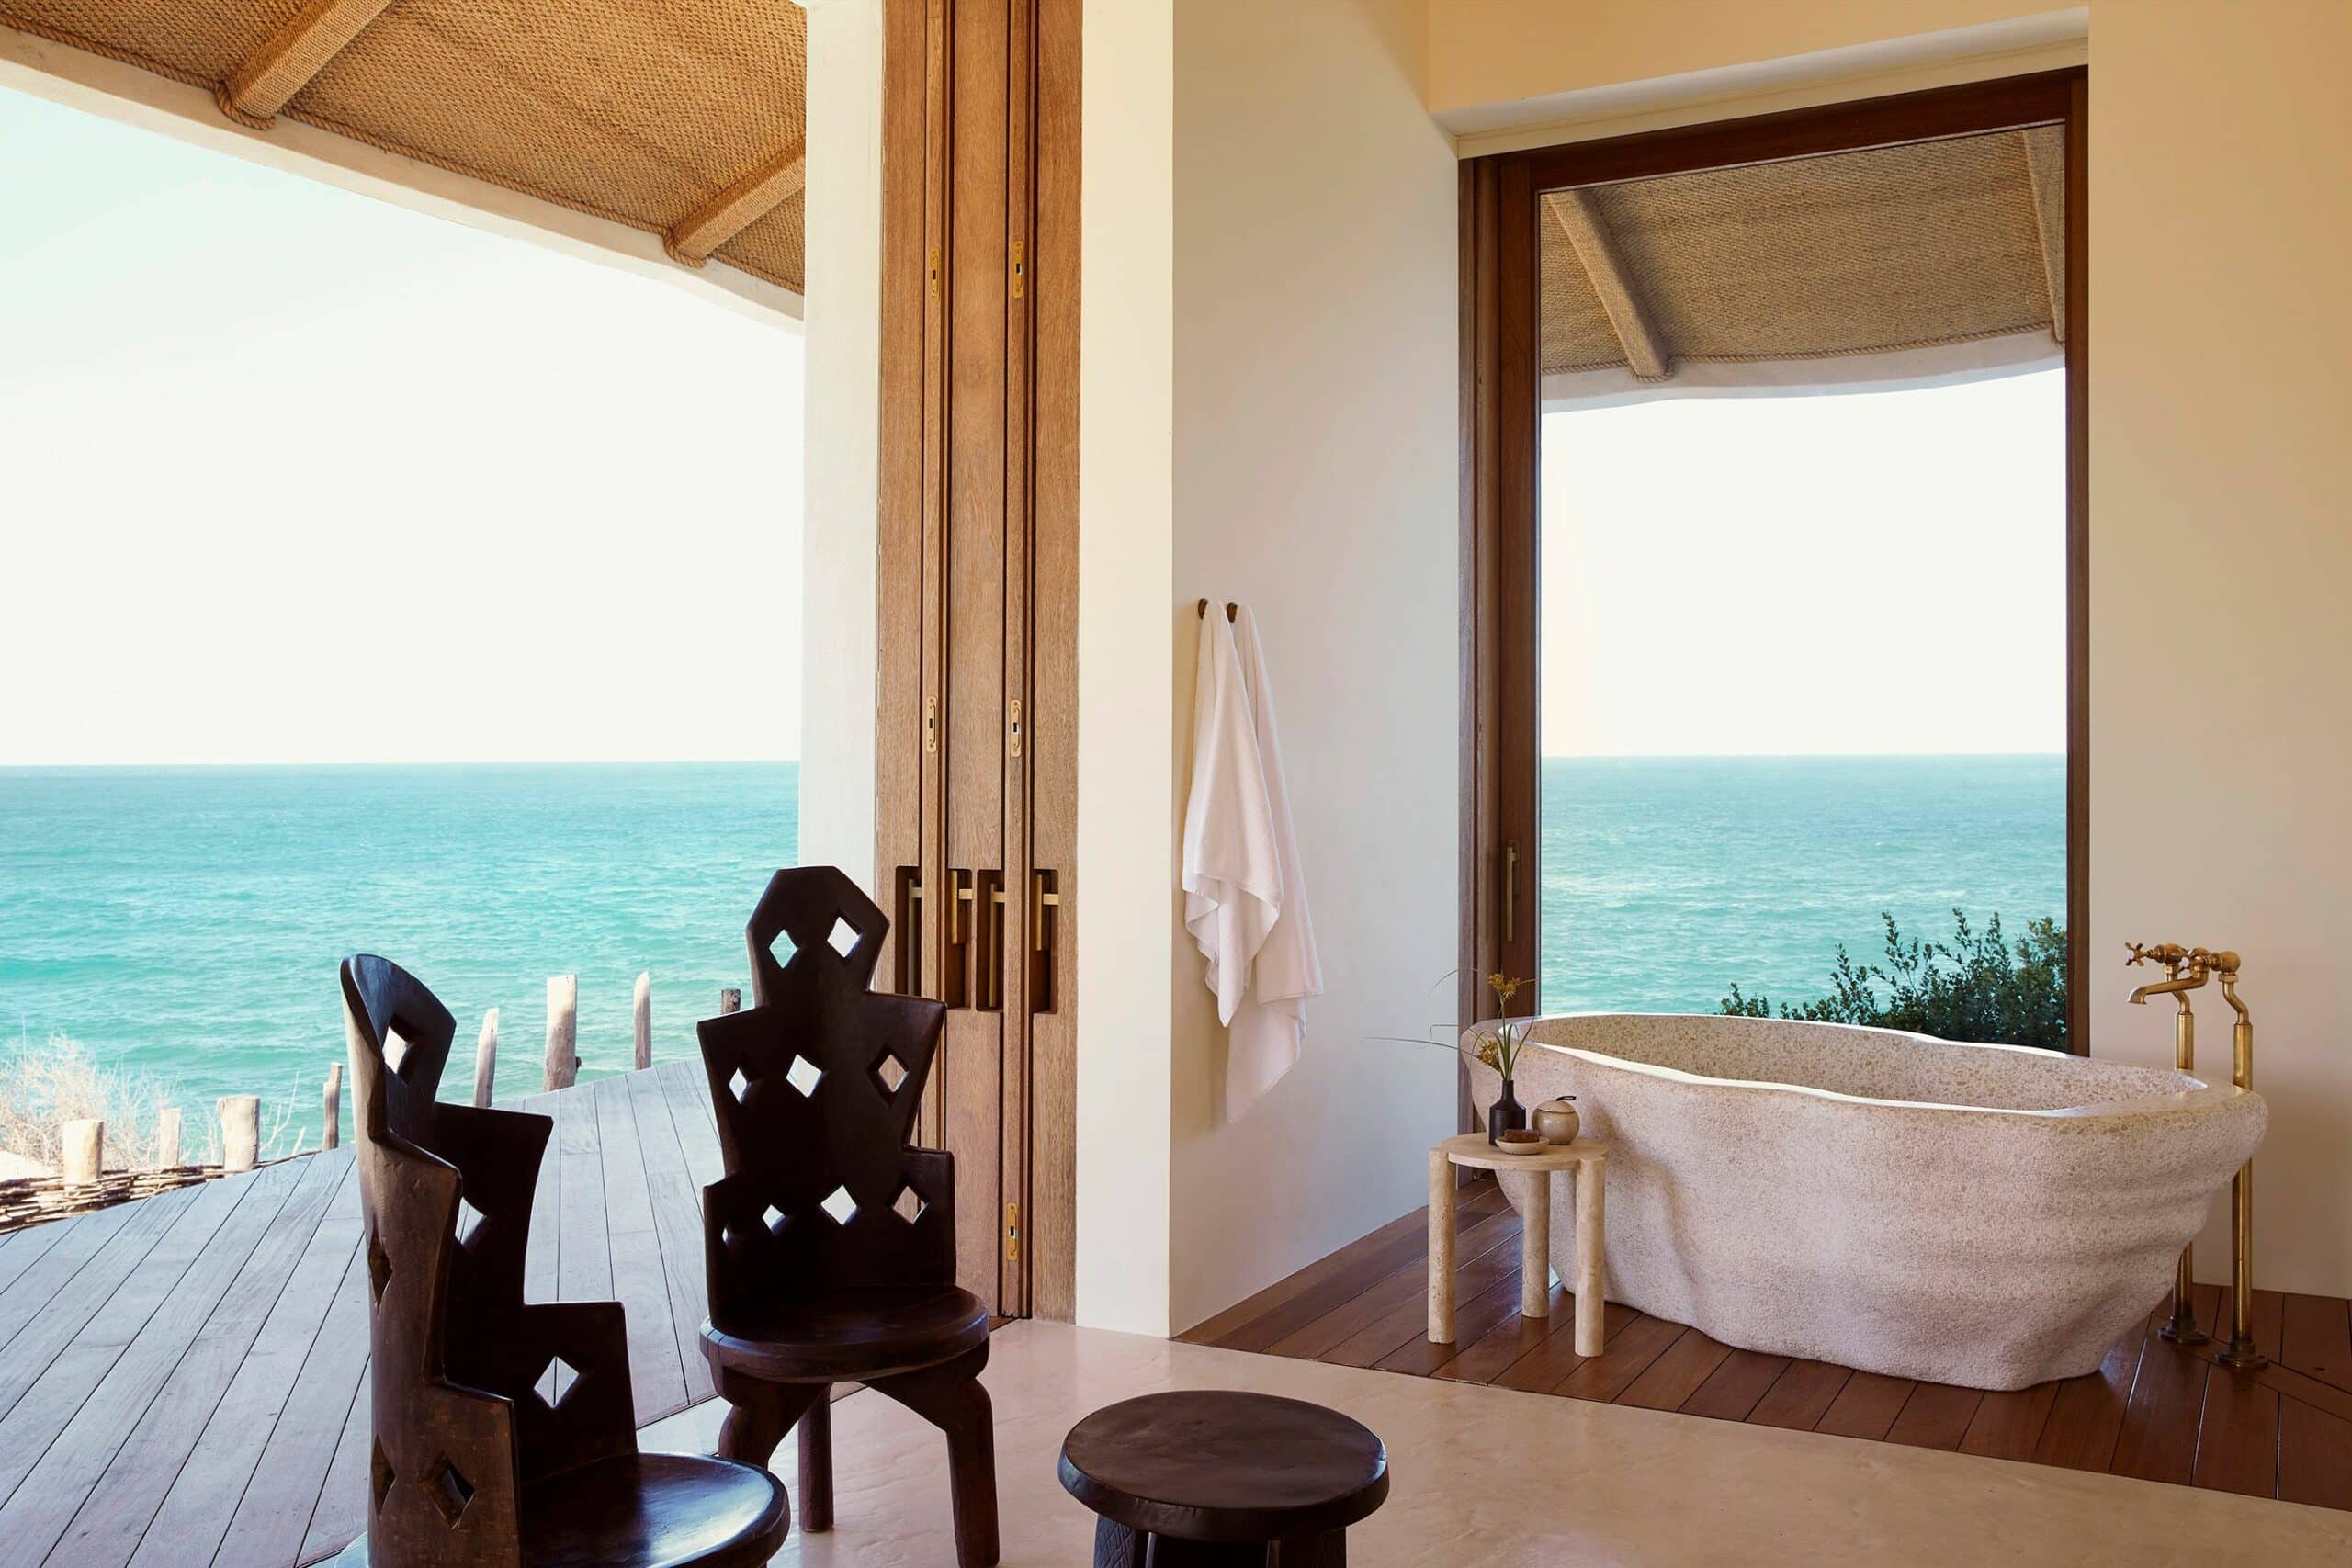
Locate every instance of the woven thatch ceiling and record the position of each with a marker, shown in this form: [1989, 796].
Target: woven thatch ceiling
[1934, 245]
[682, 117]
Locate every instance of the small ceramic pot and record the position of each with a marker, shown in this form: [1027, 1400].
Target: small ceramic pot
[1557, 1120]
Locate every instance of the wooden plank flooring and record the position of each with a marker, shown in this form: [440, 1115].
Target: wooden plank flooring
[183, 1379]
[2153, 1409]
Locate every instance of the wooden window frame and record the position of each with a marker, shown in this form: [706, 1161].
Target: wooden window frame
[1500, 904]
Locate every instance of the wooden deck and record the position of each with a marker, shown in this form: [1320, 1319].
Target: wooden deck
[2153, 1410]
[183, 1379]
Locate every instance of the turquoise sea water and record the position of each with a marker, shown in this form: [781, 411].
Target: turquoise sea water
[187, 921]
[1665, 880]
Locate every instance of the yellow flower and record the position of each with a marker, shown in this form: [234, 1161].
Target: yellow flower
[1489, 1055]
[1504, 987]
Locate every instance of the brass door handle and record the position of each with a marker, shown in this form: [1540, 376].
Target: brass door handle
[1043, 894]
[988, 952]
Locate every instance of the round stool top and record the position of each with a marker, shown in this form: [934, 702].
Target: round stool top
[1214, 1465]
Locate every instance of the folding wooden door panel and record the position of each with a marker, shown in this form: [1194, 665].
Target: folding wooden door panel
[976, 808]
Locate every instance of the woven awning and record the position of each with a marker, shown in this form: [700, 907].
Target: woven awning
[1899, 264]
[681, 118]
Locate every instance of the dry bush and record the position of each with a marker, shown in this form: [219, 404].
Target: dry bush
[43, 1086]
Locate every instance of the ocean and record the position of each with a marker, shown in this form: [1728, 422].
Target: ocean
[1666, 880]
[186, 922]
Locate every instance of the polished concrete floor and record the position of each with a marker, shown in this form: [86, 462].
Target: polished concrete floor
[1493, 1476]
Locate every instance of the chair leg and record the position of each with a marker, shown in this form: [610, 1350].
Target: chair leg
[758, 1416]
[817, 1462]
[951, 1398]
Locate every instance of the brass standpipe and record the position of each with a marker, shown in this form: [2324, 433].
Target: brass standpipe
[2183, 974]
[2185, 969]
[2240, 1352]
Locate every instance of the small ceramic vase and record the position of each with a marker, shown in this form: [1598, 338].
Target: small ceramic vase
[1505, 1114]
[1557, 1120]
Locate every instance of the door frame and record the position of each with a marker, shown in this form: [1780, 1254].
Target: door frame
[1500, 837]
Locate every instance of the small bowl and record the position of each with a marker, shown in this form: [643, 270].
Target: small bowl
[1532, 1145]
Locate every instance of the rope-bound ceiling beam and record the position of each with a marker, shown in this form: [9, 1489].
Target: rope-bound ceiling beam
[1580, 220]
[297, 51]
[737, 207]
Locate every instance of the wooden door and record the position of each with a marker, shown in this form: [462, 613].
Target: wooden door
[977, 696]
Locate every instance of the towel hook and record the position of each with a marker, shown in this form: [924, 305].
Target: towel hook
[1203, 610]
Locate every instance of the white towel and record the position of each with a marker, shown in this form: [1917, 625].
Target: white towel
[1245, 899]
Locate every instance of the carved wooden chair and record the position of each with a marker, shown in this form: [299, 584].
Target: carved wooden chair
[831, 1243]
[471, 1464]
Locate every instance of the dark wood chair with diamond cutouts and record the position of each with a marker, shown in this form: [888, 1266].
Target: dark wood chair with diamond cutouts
[504, 1432]
[830, 1242]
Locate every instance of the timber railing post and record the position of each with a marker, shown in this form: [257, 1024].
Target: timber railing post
[641, 1015]
[332, 1133]
[731, 1000]
[563, 1032]
[486, 1058]
[81, 1151]
[240, 1131]
[167, 1138]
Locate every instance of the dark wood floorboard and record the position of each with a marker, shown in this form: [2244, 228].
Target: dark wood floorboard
[2152, 1409]
[1399, 1288]
[2008, 1425]
[1866, 1406]
[1671, 1379]
[1801, 1396]
[1937, 1416]
[1735, 1386]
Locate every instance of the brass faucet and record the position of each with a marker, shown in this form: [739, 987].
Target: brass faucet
[2185, 971]
[2187, 968]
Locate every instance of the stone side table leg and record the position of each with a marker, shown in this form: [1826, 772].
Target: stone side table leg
[1440, 1249]
[1535, 1250]
[1591, 1251]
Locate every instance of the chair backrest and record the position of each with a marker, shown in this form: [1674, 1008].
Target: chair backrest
[459, 1425]
[816, 1087]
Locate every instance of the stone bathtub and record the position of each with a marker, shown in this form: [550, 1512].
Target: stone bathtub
[1987, 1215]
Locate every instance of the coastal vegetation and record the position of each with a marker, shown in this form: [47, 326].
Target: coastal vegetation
[43, 1087]
[1978, 987]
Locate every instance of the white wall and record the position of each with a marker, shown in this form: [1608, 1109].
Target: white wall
[840, 447]
[1269, 419]
[1124, 899]
[1315, 479]
[2221, 144]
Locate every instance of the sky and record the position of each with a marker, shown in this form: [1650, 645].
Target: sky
[1866, 573]
[289, 474]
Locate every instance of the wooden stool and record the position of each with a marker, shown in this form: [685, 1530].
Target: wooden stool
[1220, 1479]
[1589, 1158]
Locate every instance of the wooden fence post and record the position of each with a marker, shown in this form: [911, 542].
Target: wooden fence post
[486, 1058]
[81, 1151]
[643, 1013]
[240, 1131]
[563, 1032]
[334, 1132]
[731, 1000]
[167, 1138]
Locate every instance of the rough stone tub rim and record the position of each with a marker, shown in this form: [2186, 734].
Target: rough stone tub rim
[2142, 1105]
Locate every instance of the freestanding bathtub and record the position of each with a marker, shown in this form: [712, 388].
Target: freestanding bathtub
[1987, 1215]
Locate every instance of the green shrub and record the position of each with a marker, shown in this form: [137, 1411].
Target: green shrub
[1976, 987]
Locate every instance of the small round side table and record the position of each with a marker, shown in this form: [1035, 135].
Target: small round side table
[1588, 1159]
[1216, 1478]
